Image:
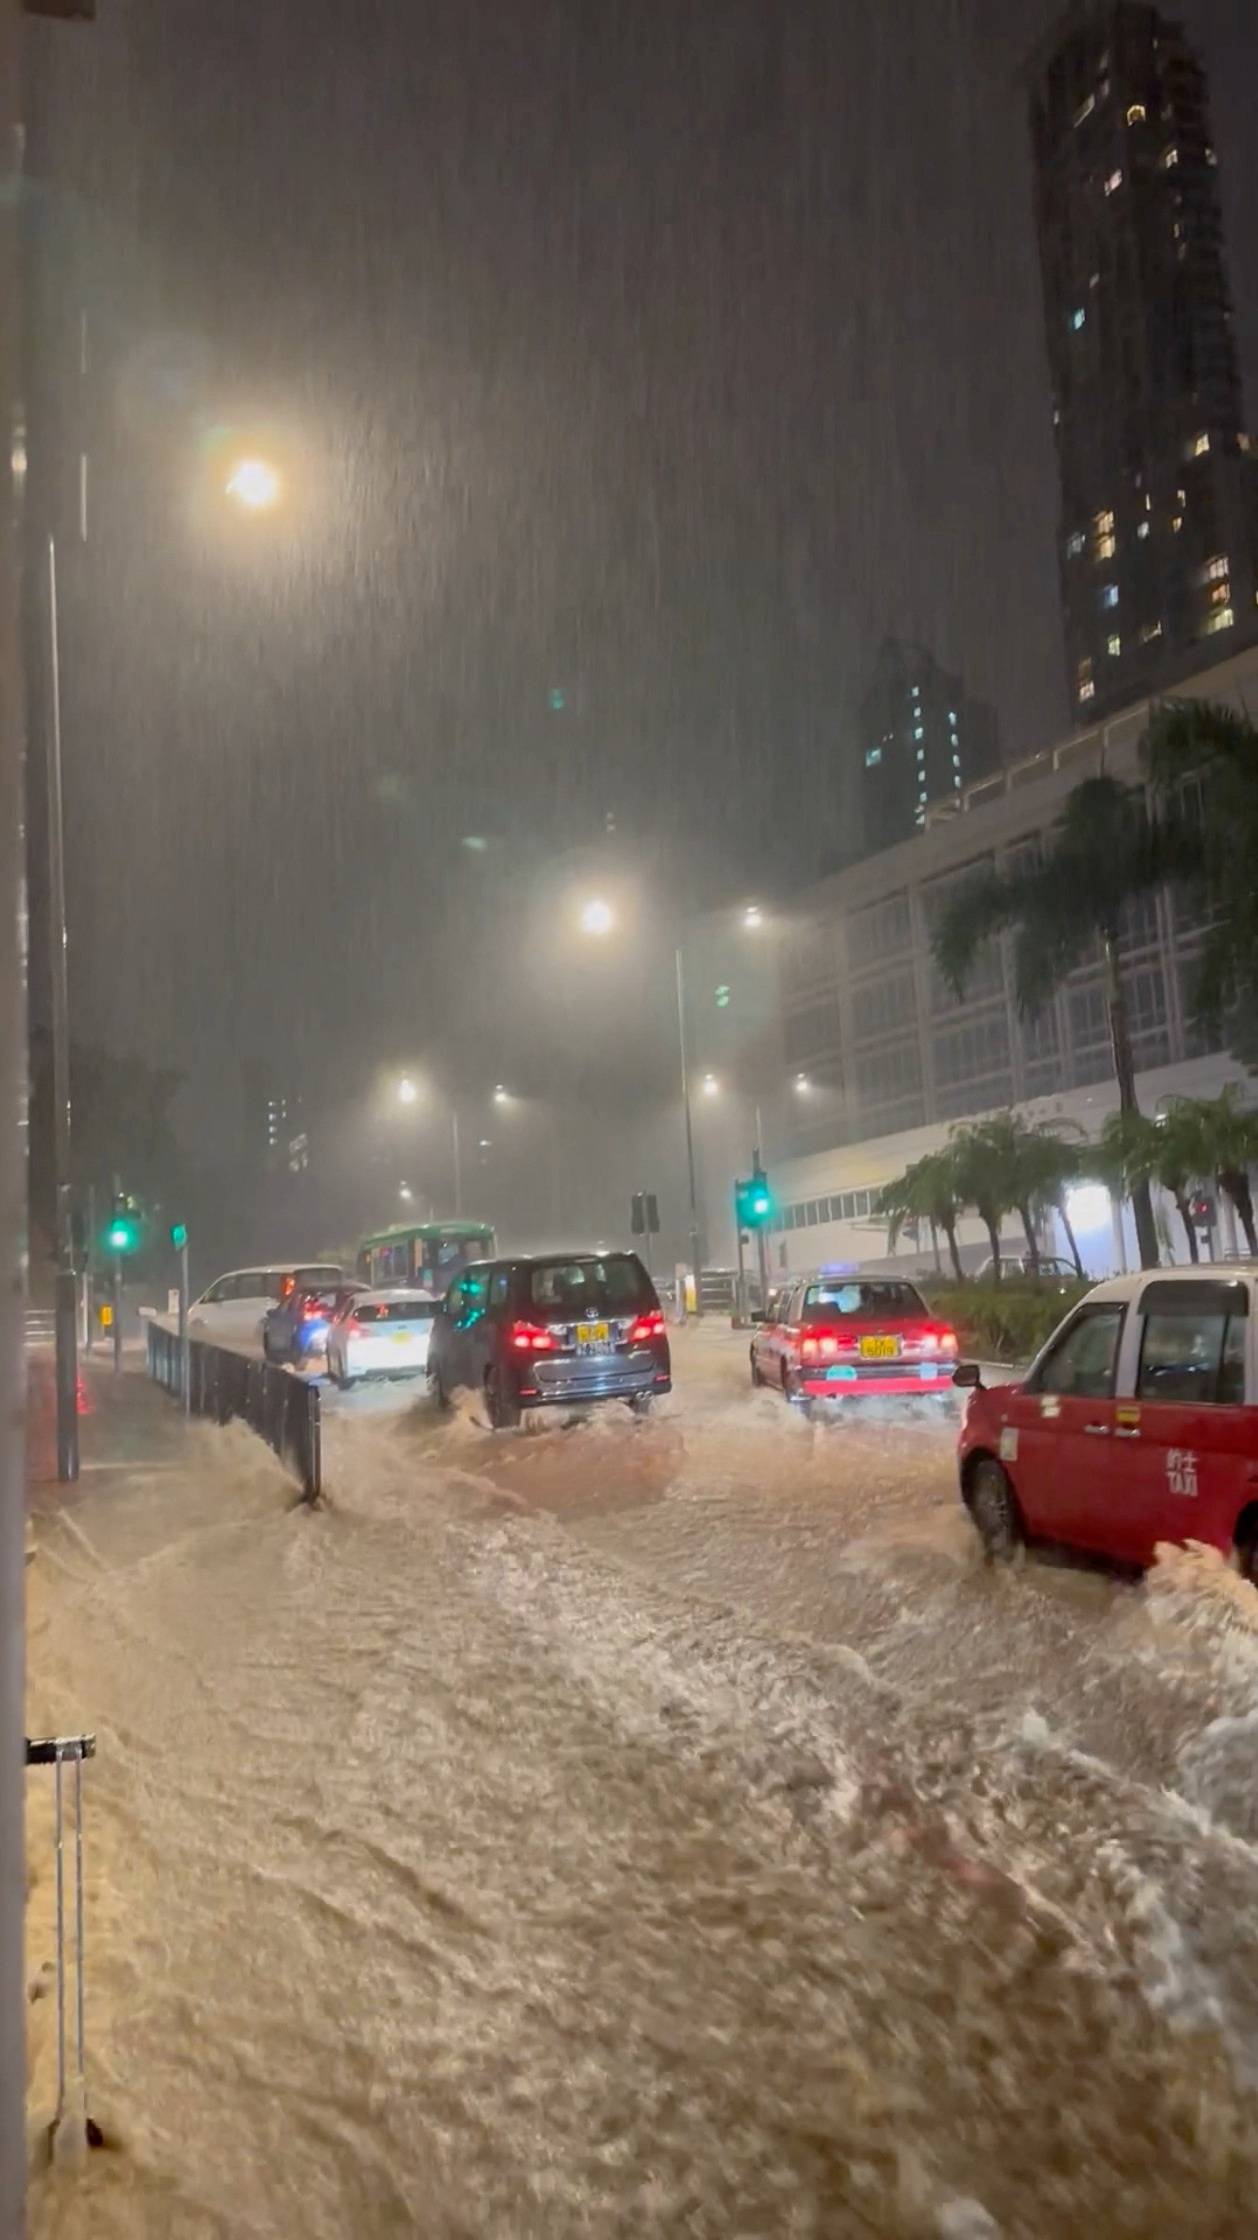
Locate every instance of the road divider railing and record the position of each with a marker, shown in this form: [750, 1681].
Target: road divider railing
[227, 1387]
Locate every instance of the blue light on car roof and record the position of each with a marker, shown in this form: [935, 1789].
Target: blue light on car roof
[839, 1268]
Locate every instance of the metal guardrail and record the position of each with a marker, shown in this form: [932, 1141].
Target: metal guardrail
[227, 1387]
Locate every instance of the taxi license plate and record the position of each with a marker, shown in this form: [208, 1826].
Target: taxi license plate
[879, 1349]
[401, 1337]
[593, 1337]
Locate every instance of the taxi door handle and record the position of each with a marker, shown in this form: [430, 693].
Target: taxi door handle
[1131, 1433]
[1097, 1430]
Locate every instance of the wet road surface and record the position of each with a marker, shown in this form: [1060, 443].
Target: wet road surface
[662, 1826]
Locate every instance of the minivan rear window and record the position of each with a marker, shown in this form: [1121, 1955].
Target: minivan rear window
[618, 1284]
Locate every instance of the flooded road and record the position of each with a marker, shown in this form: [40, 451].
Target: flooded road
[646, 1827]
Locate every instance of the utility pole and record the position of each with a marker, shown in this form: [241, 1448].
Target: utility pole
[67, 1285]
[692, 1184]
[458, 1162]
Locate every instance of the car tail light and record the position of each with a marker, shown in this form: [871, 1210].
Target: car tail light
[353, 1329]
[647, 1326]
[948, 1342]
[826, 1345]
[529, 1337]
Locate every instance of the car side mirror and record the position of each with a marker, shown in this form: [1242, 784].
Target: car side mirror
[968, 1376]
[758, 1315]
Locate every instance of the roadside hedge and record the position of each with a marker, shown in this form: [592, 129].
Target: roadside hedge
[1003, 1321]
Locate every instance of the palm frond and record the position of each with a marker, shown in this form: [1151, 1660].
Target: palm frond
[980, 909]
[1185, 736]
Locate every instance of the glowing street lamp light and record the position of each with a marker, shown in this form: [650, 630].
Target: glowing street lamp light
[405, 1193]
[711, 1086]
[597, 917]
[802, 1084]
[501, 1094]
[753, 917]
[407, 1093]
[254, 484]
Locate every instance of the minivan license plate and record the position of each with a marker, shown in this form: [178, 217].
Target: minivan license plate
[593, 1337]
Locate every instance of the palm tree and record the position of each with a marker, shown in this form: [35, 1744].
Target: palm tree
[1217, 842]
[1224, 1139]
[1166, 1151]
[1005, 1141]
[981, 1181]
[1050, 1165]
[1105, 851]
[926, 1191]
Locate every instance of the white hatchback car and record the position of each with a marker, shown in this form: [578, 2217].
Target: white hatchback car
[231, 1312]
[380, 1334]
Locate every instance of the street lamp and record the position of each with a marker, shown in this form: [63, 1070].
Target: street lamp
[753, 917]
[501, 1095]
[405, 1193]
[407, 1093]
[254, 484]
[802, 1084]
[711, 1086]
[597, 917]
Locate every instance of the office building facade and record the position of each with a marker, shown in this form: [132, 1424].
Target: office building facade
[1158, 545]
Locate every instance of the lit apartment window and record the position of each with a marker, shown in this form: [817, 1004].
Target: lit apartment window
[956, 782]
[1199, 446]
[1109, 594]
[1087, 691]
[1114, 647]
[917, 692]
[1149, 632]
[1106, 547]
[1221, 620]
[1142, 530]
[1104, 523]
[1114, 182]
[1137, 113]
[1245, 444]
[1220, 594]
[873, 756]
[1177, 522]
[1212, 157]
[918, 732]
[1075, 544]
[1079, 318]
[1168, 159]
[1215, 571]
[1084, 110]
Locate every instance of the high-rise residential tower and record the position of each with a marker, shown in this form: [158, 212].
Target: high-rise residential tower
[1159, 493]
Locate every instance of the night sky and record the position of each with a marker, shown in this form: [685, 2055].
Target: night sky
[663, 353]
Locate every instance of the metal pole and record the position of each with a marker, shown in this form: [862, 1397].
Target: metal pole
[12, 1198]
[67, 1289]
[690, 1133]
[89, 1273]
[458, 1161]
[185, 1380]
[740, 1313]
[117, 1296]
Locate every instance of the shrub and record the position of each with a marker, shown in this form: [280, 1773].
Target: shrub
[1004, 1321]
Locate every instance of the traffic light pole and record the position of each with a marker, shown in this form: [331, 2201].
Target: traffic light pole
[67, 1285]
[185, 1365]
[690, 1133]
[117, 1303]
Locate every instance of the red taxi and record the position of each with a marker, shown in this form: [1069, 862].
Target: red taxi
[845, 1337]
[1137, 1423]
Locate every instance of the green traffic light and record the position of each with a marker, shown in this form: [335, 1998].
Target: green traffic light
[178, 1235]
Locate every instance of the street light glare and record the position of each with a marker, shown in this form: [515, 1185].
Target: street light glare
[501, 1095]
[597, 917]
[405, 1192]
[753, 916]
[254, 484]
[407, 1093]
[711, 1086]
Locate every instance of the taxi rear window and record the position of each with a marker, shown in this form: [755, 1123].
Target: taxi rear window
[864, 1302]
[1204, 1295]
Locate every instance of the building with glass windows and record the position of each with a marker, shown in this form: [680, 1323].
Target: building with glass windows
[879, 1057]
[922, 737]
[1158, 549]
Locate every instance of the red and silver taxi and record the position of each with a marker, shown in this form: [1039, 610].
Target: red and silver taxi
[846, 1337]
[1136, 1424]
